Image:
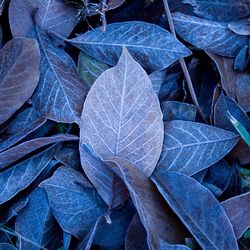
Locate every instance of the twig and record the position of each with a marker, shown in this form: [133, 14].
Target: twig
[183, 64]
[2, 4]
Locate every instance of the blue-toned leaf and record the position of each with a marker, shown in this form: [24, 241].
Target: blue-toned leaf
[121, 117]
[241, 27]
[157, 78]
[89, 69]
[19, 60]
[242, 59]
[190, 147]
[156, 217]
[212, 36]
[69, 155]
[197, 208]
[220, 10]
[9, 156]
[178, 111]
[153, 47]
[237, 209]
[66, 240]
[7, 246]
[60, 93]
[52, 15]
[74, 202]
[15, 179]
[36, 223]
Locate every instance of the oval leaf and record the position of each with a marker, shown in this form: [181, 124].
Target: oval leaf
[209, 35]
[190, 147]
[152, 46]
[19, 60]
[197, 208]
[60, 93]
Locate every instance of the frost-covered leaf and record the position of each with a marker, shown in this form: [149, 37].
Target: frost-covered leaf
[7, 246]
[51, 15]
[9, 156]
[89, 69]
[242, 59]
[157, 218]
[17, 178]
[60, 93]
[212, 36]
[157, 78]
[237, 209]
[197, 208]
[36, 223]
[153, 47]
[19, 60]
[178, 111]
[121, 117]
[220, 10]
[74, 202]
[190, 147]
[241, 27]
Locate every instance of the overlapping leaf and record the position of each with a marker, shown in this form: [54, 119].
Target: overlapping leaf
[156, 217]
[36, 224]
[9, 156]
[209, 35]
[220, 10]
[19, 60]
[241, 27]
[153, 47]
[190, 147]
[237, 209]
[51, 15]
[121, 117]
[20, 176]
[60, 93]
[197, 208]
[74, 202]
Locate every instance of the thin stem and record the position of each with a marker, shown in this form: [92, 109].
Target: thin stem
[2, 6]
[183, 64]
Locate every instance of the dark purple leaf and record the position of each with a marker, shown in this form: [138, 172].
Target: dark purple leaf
[243, 90]
[227, 74]
[136, 237]
[89, 69]
[37, 224]
[17, 178]
[157, 218]
[51, 15]
[237, 209]
[60, 93]
[190, 147]
[178, 111]
[197, 208]
[121, 117]
[212, 36]
[19, 59]
[241, 27]
[9, 156]
[149, 44]
[74, 202]
[222, 10]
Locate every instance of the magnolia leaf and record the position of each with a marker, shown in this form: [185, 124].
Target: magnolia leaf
[241, 27]
[153, 47]
[121, 117]
[190, 147]
[19, 60]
